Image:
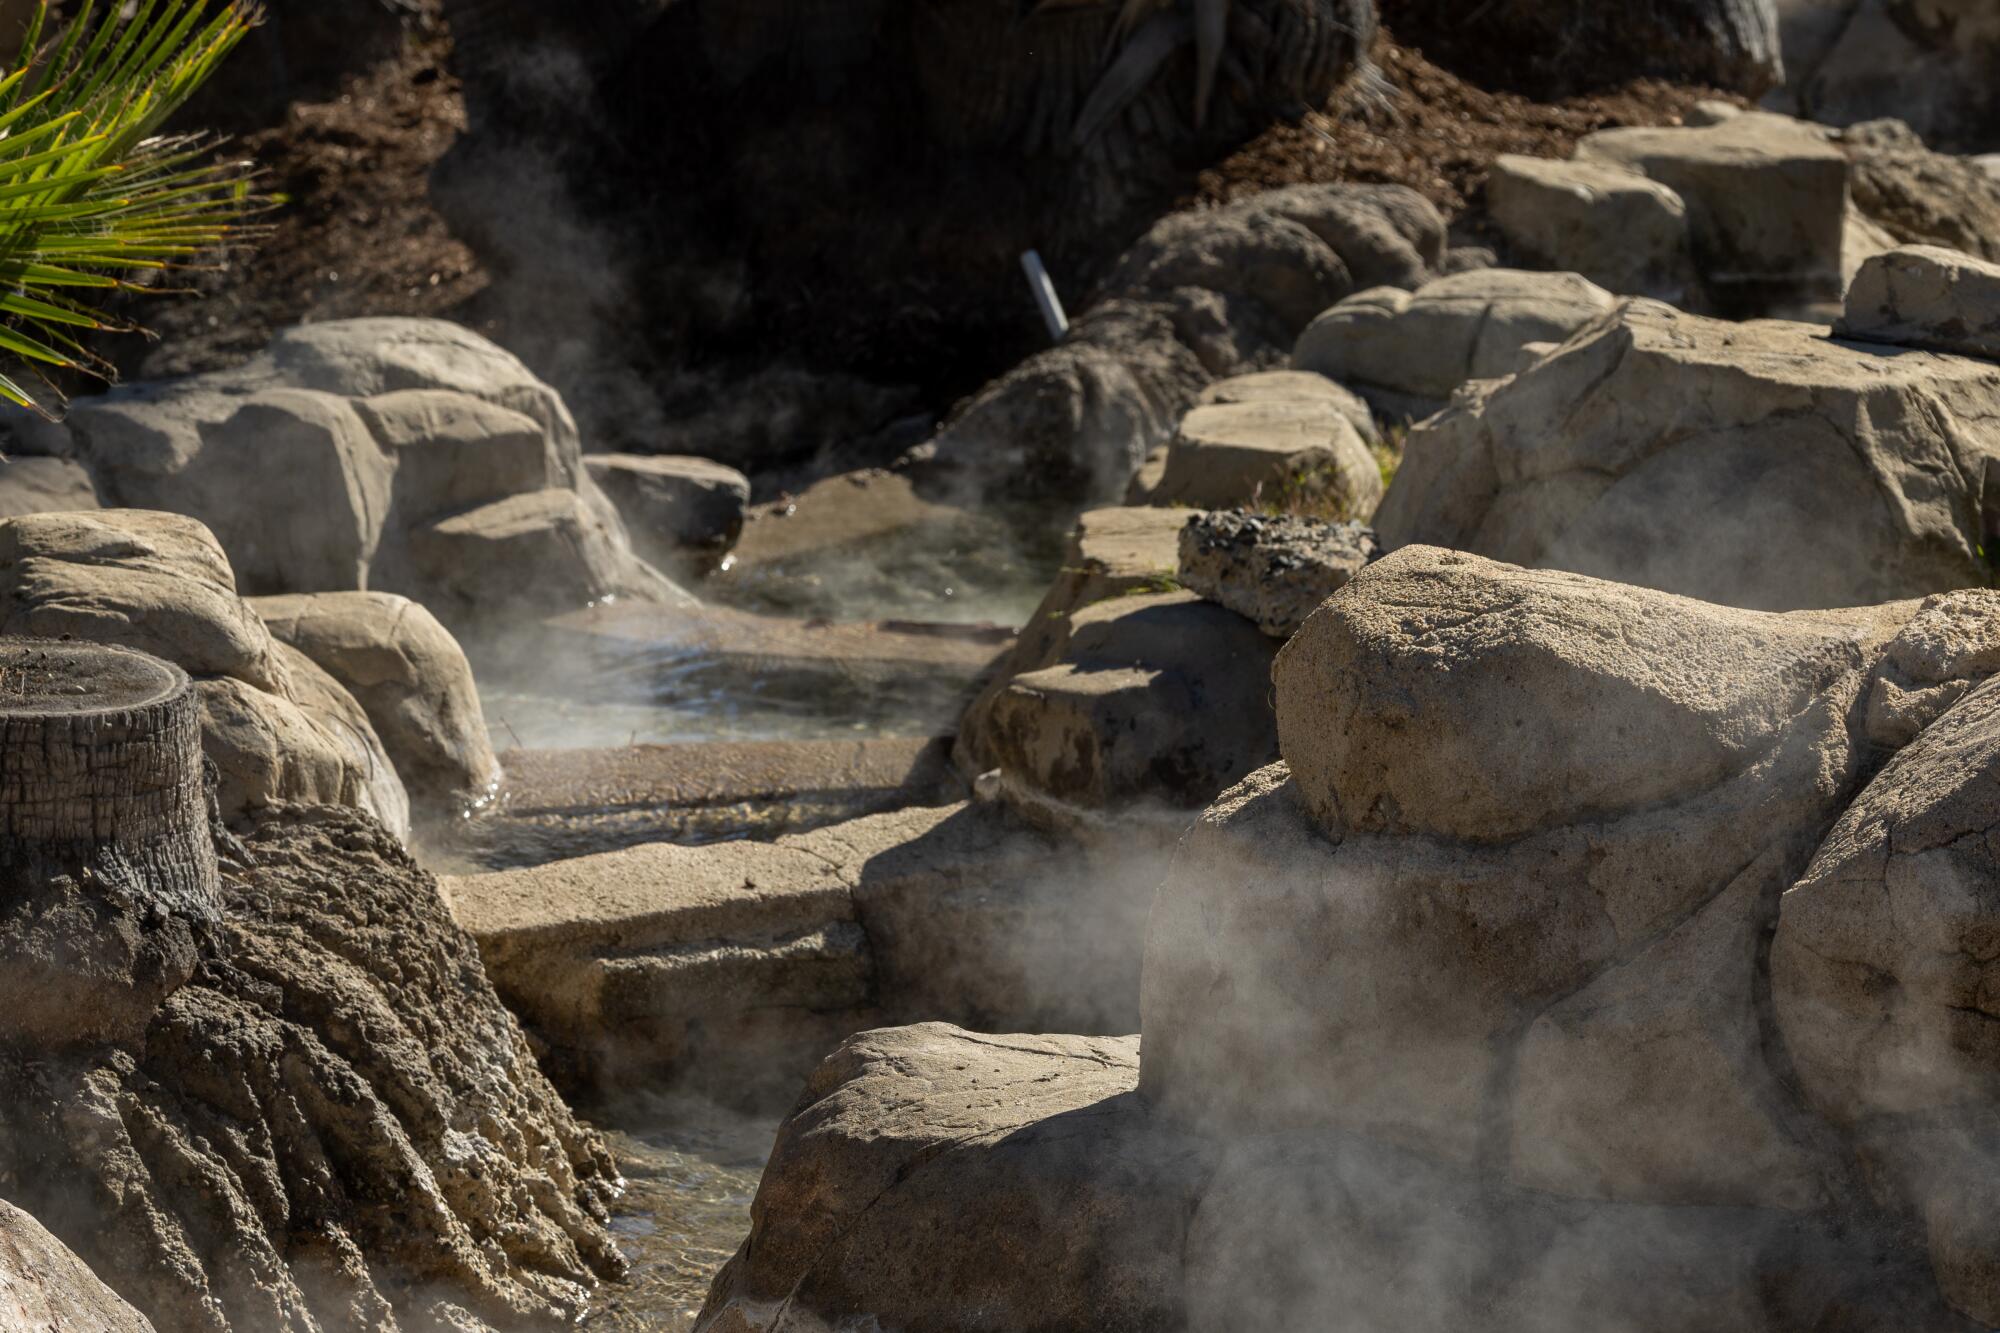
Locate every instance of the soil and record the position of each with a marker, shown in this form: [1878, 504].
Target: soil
[1418, 125]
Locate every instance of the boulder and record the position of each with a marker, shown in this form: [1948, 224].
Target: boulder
[1766, 198]
[1919, 197]
[277, 728]
[1298, 453]
[1004, 1156]
[1287, 386]
[1112, 552]
[406, 672]
[1407, 352]
[44, 486]
[539, 553]
[1274, 571]
[328, 462]
[1712, 459]
[44, 1286]
[681, 512]
[1201, 296]
[1611, 225]
[1924, 296]
[1107, 726]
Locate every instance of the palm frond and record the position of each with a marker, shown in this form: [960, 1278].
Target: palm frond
[92, 194]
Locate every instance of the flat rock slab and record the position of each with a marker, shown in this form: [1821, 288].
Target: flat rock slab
[564, 803]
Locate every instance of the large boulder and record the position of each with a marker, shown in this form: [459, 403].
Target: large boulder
[44, 1286]
[1767, 202]
[1713, 459]
[1300, 453]
[331, 461]
[276, 727]
[407, 673]
[1927, 63]
[1406, 352]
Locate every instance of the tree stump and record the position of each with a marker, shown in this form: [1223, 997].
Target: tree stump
[108, 874]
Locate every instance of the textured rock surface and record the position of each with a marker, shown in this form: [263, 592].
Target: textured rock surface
[1766, 197]
[276, 727]
[1290, 452]
[1285, 386]
[1611, 225]
[1407, 352]
[333, 1125]
[44, 1288]
[1713, 459]
[1920, 197]
[407, 673]
[1272, 570]
[1924, 296]
[1201, 296]
[1107, 726]
[325, 462]
[1928, 63]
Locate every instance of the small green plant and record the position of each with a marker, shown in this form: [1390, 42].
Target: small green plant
[92, 195]
[1388, 450]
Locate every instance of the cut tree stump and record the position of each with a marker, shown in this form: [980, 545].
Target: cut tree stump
[108, 874]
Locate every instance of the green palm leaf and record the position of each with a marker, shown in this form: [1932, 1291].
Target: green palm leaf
[92, 195]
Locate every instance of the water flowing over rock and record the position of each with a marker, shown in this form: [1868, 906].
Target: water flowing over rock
[332, 1125]
[1716, 460]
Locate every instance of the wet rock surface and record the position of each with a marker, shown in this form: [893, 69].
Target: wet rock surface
[1273, 570]
[333, 1124]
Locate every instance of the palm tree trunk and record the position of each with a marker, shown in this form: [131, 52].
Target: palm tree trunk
[107, 863]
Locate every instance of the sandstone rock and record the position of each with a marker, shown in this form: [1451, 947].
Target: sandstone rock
[1765, 194]
[406, 672]
[1920, 197]
[1924, 296]
[1407, 352]
[1599, 458]
[1107, 726]
[277, 728]
[1273, 570]
[323, 463]
[1285, 386]
[1111, 553]
[1613, 226]
[1884, 985]
[680, 511]
[334, 1125]
[44, 486]
[539, 553]
[1003, 1157]
[45, 1286]
[1297, 452]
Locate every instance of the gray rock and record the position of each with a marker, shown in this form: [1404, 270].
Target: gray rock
[1766, 196]
[1712, 459]
[1919, 197]
[681, 512]
[1857, 60]
[407, 673]
[1613, 226]
[1283, 453]
[1291, 386]
[1274, 571]
[1407, 352]
[1925, 296]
